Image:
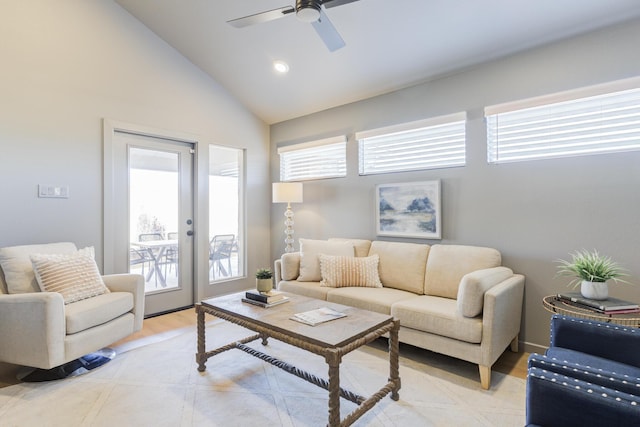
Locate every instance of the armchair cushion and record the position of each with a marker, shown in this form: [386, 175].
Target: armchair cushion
[17, 268]
[75, 276]
[85, 314]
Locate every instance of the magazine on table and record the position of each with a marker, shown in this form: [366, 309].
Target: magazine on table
[317, 316]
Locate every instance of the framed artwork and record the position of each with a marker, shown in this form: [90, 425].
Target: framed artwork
[410, 209]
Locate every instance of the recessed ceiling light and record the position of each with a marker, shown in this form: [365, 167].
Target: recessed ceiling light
[281, 67]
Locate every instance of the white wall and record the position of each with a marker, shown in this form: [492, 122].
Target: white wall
[66, 65]
[533, 212]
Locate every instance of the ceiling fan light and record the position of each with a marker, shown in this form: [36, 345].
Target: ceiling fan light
[308, 10]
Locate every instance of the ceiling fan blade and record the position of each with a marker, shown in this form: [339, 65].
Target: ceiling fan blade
[333, 3]
[259, 18]
[328, 32]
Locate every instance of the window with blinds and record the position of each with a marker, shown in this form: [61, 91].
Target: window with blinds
[326, 158]
[600, 119]
[426, 144]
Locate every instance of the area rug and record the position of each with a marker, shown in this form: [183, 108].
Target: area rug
[159, 385]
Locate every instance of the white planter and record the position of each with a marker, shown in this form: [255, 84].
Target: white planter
[594, 290]
[264, 285]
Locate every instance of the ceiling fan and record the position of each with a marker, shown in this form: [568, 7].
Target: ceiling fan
[310, 11]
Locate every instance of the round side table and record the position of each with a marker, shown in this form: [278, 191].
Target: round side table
[557, 305]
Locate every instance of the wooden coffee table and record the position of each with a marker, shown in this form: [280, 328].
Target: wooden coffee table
[331, 340]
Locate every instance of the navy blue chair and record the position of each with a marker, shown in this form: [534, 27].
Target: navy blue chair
[589, 376]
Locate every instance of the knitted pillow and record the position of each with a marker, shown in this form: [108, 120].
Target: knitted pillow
[342, 271]
[75, 276]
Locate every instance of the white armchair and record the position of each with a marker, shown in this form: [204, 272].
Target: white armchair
[38, 329]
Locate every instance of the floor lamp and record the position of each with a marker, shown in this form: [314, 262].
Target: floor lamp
[287, 192]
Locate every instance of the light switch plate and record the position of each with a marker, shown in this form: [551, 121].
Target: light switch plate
[53, 191]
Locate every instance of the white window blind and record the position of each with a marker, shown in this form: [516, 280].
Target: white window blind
[426, 144]
[601, 123]
[324, 158]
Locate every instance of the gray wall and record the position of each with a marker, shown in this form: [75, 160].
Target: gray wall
[67, 65]
[533, 212]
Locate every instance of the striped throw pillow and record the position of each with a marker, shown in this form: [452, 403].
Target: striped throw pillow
[75, 276]
[343, 271]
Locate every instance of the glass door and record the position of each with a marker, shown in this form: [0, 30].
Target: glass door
[158, 195]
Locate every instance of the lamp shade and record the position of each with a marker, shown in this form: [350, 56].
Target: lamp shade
[287, 192]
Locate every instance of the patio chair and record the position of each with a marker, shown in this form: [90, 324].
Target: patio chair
[220, 249]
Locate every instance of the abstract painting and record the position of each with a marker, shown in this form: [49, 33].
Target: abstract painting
[410, 209]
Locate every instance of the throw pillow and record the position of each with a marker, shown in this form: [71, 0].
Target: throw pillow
[16, 265]
[341, 271]
[309, 251]
[75, 276]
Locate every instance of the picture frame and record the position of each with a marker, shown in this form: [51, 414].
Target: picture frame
[409, 209]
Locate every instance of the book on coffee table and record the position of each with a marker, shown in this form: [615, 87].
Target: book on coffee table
[266, 297]
[319, 315]
[610, 305]
[265, 304]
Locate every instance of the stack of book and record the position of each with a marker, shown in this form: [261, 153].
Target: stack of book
[264, 299]
[608, 306]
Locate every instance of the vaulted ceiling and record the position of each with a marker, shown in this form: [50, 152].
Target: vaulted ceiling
[390, 44]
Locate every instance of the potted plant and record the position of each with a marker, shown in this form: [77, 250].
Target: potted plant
[264, 280]
[591, 270]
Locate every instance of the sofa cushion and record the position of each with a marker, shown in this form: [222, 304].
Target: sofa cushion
[473, 286]
[402, 265]
[447, 264]
[360, 246]
[74, 276]
[307, 289]
[309, 251]
[90, 312]
[373, 299]
[16, 264]
[341, 271]
[290, 266]
[439, 316]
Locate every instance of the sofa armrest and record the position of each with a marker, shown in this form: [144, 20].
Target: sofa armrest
[32, 329]
[470, 299]
[606, 340]
[133, 283]
[501, 317]
[277, 271]
[289, 267]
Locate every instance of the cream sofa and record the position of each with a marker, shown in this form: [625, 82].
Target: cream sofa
[38, 329]
[451, 299]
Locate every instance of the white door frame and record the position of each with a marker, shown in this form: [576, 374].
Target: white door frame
[200, 192]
